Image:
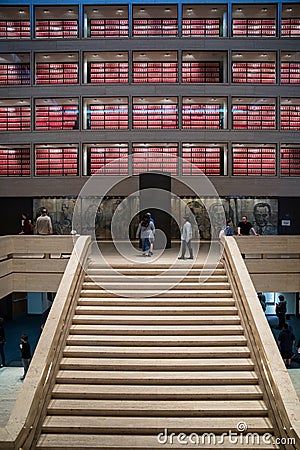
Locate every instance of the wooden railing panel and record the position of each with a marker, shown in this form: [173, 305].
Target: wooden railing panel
[30, 405]
[277, 384]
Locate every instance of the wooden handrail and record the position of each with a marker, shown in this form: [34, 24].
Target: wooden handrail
[30, 405]
[277, 385]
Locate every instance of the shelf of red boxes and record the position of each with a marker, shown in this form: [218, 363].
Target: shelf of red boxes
[108, 160]
[290, 117]
[155, 116]
[16, 74]
[290, 73]
[290, 27]
[56, 73]
[254, 72]
[15, 162]
[204, 116]
[108, 117]
[254, 117]
[260, 161]
[290, 161]
[56, 117]
[56, 161]
[56, 29]
[201, 27]
[202, 72]
[254, 27]
[15, 118]
[155, 27]
[14, 29]
[204, 158]
[108, 72]
[100, 28]
[147, 159]
[155, 72]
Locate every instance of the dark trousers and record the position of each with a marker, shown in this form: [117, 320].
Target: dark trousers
[184, 246]
[281, 320]
[2, 353]
[145, 244]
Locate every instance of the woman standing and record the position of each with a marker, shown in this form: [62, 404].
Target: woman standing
[145, 231]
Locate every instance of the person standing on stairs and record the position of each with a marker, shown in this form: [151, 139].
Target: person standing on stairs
[186, 238]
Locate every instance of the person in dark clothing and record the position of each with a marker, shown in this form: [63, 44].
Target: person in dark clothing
[286, 341]
[27, 226]
[2, 342]
[26, 353]
[244, 227]
[281, 311]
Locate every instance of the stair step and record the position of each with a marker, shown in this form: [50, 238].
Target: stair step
[133, 442]
[157, 408]
[153, 310]
[136, 278]
[157, 267]
[155, 320]
[156, 293]
[151, 425]
[148, 285]
[82, 351]
[156, 364]
[163, 392]
[158, 330]
[155, 341]
[207, 377]
[156, 301]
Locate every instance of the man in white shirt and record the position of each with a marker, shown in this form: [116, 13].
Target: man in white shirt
[186, 238]
[44, 224]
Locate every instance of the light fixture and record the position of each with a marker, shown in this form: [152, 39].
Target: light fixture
[214, 9]
[289, 9]
[239, 10]
[264, 9]
[167, 10]
[21, 11]
[46, 11]
[46, 56]
[95, 11]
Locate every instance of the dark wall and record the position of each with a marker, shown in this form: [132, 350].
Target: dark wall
[289, 209]
[11, 211]
[162, 201]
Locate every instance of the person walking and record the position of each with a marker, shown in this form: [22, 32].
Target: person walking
[2, 342]
[186, 238]
[151, 238]
[44, 224]
[145, 232]
[286, 341]
[25, 353]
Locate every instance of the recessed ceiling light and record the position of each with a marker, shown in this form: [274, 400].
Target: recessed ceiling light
[214, 9]
[239, 10]
[95, 10]
[95, 55]
[189, 10]
[46, 56]
[167, 10]
[71, 11]
[289, 9]
[264, 9]
[288, 55]
[46, 11]
[21, 11]
[120, 11]
[263, 55]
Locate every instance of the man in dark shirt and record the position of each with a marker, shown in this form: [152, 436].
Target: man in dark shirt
[244, 227]
[286, 340]
[25, 353]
